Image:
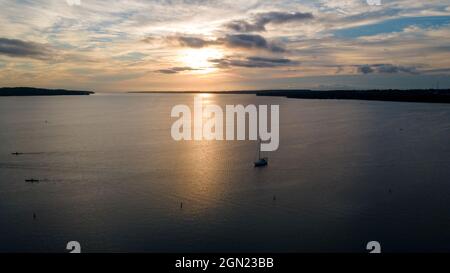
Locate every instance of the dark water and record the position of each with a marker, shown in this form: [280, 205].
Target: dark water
[346, 172]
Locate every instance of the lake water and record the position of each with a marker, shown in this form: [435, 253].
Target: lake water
[346, 173]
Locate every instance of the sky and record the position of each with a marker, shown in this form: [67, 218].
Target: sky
[212, 45]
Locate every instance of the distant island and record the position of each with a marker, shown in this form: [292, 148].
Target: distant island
[416, 95]
[413, 95]
[31, 91]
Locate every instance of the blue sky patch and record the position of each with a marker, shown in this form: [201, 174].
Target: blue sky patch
[393, 25]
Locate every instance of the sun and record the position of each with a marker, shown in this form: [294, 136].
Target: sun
[199, 59]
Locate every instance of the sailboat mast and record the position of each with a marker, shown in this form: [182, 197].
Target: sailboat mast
[259, 149]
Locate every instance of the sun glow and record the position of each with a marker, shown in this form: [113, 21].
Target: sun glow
[198, 59]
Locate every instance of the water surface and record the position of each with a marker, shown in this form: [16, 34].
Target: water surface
[346, 172]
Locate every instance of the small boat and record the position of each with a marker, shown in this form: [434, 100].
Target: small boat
[32, 180]
[262, 161]
[16, 153]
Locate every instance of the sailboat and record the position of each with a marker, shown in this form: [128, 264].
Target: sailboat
[262, 161]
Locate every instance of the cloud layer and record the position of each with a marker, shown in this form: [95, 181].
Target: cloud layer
[224, 44]
[387, 68]
[259, 21]
[252, 62]
[175, 70]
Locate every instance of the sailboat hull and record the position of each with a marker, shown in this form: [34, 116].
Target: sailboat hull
[261, 163]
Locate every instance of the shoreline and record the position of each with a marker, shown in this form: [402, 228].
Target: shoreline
[31, 91]
[395, 95]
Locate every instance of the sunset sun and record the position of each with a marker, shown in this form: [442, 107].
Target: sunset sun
[199, 59]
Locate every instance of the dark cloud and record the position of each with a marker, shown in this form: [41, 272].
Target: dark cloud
[365, 69]
[269, 60]
[260, 21]
[244, 26]
[248, 41]
[19, 48]
[175, 70]
[166, 71]
[389, 68]
[252, 62]
[386, 69]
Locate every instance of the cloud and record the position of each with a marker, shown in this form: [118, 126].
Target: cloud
[247, 41]
[131, 57]
[365, 69]
[269, 60]
[387, 69]
[190, 41]
[252, 62]
[175, 70]
[24, 49]
[73, 2]
[260, 21]
[250, 41]
[438, 71]
[149, 40]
